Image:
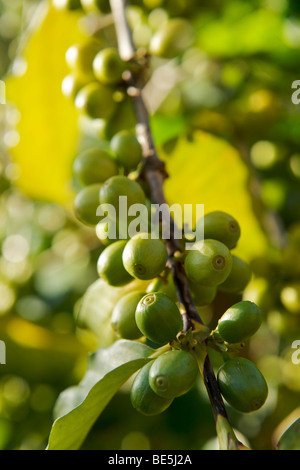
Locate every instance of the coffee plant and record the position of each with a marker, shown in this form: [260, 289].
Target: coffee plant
[167, 328]
[174, 320]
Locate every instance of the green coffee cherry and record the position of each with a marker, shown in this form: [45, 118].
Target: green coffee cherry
[96, 101]
[110, 266]
[239, 277]
[72, 84]
[239, 322]
[242, 385]
[66, 4]
[172, 38]
[86, 204]
[110, 229]
[208, 263]
[108, 66]
[118, 186]
[173, 374]
[223, 227]
[145, 258]
[158, 318]
[80, 57]
[127, 149]
[143, 398]
[202, 295]
[107, 232]
[123, 316]
[94, 166]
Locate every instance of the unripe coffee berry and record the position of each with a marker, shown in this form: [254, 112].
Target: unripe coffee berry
[158, 318]
[117, 186]
[96, 101]
[110, 265]
[106, 232]
[239, 277]
[242, 385]
[127, 149]
[143, 398]
[239, 322]
[123, 316]
[80, 57]
[202, 295]
[72, 84]
[145, 258]
[221, 226]
[94, 166]
[208, 263]
[173, 374]
[86, 204]
[108, 66]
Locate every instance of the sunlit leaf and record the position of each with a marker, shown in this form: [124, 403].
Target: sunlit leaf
[242, 33]
[48, 126]
[209, 171]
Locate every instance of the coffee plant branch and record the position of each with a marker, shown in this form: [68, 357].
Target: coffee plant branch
[154, 173]
[154, 169]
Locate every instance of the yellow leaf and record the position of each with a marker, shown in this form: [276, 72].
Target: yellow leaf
[48, 127]
[209, 171]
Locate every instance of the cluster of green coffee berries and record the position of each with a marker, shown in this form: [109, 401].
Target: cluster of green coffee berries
[95, 79]
[162, 380]
[240, 381]
[154, 314]
[100, 171]
[160, 27]
[96, 72]
[175, 372]
[210, 265]
[107, 172]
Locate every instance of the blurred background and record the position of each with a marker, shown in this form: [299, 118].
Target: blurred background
[225, 124]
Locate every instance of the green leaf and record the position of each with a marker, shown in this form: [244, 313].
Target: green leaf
[290, 439]
[48, 127]
[166, 128]
[79, 407]
[207, 170]
[242, 34]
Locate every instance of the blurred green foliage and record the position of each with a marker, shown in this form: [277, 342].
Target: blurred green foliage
[15, 16]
